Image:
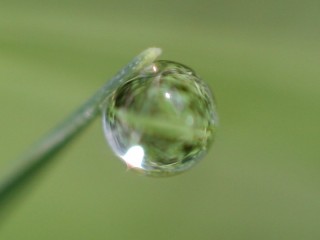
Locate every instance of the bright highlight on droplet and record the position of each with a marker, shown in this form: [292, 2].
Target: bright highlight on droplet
[154, 68]
[162, 121]
[134, 157]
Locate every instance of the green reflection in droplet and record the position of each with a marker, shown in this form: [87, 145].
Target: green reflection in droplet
[162, 121]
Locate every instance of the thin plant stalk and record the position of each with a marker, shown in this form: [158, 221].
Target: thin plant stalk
[44, 150]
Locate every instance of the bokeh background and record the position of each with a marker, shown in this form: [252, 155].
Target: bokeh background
[261, 58]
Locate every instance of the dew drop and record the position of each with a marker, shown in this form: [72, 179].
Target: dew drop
[162, 121]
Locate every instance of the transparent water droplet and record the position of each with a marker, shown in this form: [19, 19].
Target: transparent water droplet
[162, 121]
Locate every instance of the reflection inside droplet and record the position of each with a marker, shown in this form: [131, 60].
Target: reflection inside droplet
[189, 120]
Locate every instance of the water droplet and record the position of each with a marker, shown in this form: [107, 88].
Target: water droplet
[162, 121]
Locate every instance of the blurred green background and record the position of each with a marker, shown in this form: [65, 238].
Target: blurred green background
[261, 58]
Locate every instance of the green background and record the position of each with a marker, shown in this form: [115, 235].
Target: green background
[261, 177]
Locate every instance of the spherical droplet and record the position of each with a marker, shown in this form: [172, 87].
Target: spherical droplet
[162, 121]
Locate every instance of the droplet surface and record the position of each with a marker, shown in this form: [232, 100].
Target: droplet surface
[162, 121]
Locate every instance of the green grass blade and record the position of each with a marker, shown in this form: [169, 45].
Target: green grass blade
[44, 150]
